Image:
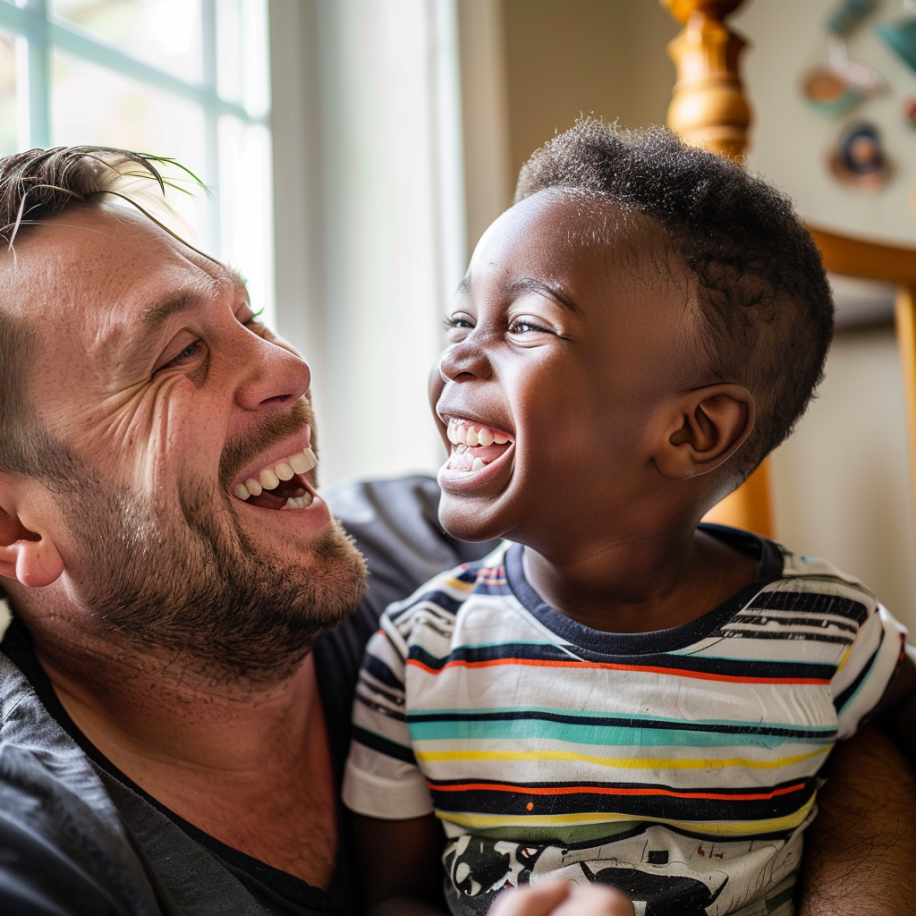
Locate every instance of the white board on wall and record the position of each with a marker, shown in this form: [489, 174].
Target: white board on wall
[791, 141]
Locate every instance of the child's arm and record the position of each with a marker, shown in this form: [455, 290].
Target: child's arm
[400, 867]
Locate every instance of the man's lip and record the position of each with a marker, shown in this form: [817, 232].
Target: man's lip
[290, 446]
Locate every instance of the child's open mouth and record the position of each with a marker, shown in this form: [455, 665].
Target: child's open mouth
[475, 445]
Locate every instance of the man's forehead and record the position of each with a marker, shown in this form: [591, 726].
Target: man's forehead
[116, 264]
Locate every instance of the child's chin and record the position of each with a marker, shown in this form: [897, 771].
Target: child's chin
[461, 519]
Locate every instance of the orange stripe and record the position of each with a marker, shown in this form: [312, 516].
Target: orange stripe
[680, 672]
[606, 790]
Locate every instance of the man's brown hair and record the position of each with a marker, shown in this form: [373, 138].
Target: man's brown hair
[36, 186]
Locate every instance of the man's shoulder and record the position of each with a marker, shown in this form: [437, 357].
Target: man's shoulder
[62, 844]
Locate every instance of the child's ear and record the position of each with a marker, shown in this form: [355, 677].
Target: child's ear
[706, 427]
[27, 552]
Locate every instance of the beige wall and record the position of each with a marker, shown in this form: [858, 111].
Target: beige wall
[596, 57]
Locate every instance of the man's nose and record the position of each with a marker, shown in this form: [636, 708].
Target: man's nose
[272, 376]
[464, 361]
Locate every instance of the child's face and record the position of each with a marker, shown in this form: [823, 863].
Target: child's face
[562, 349]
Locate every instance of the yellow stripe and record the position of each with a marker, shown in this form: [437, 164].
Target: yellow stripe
[624, 763]
[844, 659]
[716, 828]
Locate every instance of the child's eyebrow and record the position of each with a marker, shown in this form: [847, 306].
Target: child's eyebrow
[545, 289]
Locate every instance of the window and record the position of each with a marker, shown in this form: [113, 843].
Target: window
[187, 79]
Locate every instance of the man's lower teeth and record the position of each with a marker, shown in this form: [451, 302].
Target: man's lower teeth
[298, 502]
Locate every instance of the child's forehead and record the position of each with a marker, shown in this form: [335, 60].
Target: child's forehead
[566, 232]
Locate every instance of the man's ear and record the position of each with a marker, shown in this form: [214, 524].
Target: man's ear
[706, 427]
[27, 552]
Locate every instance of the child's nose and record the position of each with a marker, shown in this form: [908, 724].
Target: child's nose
[463, 362]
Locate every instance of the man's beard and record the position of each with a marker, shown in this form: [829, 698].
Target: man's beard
[197, 587]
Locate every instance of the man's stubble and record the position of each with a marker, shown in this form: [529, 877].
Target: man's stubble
[191, 583]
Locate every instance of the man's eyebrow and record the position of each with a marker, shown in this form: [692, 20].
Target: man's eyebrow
[155, 316]
[544, 289]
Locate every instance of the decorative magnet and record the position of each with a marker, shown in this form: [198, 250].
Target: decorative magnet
[829, 93]
[901, 35]
[859, 159]
[909, 110]
[846, 16]
[839, 86]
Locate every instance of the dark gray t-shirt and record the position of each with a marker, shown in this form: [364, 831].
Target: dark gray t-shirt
[77, 837]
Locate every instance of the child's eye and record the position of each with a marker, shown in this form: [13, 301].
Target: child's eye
[457, 321]
[527, 326]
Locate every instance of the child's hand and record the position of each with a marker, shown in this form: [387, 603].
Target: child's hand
[562, 898]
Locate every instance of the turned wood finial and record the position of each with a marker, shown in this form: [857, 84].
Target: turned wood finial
[708, 106]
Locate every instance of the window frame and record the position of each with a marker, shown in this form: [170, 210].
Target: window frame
[37, 31]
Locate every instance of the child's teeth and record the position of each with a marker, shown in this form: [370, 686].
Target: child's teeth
[485, 437]
[461, 435]
[461, 449]
[477, 464]
[472, 437]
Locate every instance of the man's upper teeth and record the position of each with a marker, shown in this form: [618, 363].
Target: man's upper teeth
[269, 478]
[461, 432]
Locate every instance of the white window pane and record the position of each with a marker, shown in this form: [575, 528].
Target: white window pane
[9, 139]
[90, 105]
[246, 214]
[241, 47]
[164, 33]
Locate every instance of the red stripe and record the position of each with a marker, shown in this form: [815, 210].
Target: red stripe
[679, 672]
[607, 790]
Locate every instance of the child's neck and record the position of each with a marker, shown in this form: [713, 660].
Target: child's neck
[638, 587]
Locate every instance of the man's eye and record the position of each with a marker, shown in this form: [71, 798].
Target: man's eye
[189, 352]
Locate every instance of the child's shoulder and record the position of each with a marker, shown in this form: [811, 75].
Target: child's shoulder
[810, 574]
[446, 593]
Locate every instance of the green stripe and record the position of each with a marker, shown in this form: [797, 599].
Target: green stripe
[600, 735]
[589, 833]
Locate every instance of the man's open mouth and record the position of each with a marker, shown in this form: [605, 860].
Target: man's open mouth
[474, 445]
[281, 485]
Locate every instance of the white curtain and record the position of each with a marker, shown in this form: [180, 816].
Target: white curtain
[370, 216]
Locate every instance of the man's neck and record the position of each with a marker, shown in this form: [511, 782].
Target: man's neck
[247, 763]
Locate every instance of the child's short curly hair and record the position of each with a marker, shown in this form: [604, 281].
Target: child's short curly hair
[762, 289]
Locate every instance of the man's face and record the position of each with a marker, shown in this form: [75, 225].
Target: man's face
[176, 406]
[562, 347]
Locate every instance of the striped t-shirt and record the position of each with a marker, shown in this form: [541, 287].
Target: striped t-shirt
[680, 765]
